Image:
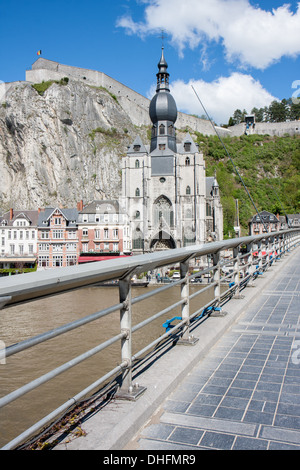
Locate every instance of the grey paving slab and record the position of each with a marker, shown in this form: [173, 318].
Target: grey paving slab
[246, 393]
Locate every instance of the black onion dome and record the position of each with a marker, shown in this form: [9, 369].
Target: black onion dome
[163, 108]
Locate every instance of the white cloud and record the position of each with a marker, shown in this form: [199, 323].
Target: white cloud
[249, 34]
[220, 97]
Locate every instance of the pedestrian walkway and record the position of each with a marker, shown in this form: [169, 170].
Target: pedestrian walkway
[245, 394]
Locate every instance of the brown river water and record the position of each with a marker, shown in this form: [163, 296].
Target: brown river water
[28, 320]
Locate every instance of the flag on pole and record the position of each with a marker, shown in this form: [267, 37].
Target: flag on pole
[39, 53]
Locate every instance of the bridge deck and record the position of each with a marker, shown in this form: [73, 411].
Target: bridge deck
[237, 388]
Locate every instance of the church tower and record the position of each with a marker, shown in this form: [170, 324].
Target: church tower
[164, 184]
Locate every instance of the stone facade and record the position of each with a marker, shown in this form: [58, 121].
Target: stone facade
[164, 186]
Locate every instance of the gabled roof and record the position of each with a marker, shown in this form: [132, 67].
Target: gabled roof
[30, 215]
[137, 143]
[71, 216]
[101, 207]
[187, 140]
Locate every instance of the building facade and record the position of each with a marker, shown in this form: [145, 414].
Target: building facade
[58, 243]
[167, 196]
[264, 222]
[18, 240]
[103, 230]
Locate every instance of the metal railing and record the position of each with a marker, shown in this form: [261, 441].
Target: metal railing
[250, 257]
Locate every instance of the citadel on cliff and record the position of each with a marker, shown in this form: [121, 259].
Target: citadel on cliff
[60, 147]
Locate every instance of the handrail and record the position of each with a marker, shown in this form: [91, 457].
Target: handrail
[27, 287]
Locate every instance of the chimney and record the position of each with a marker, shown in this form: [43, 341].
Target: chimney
[11, 214]
[80, 205]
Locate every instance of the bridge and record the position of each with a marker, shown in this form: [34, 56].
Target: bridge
[225, 376]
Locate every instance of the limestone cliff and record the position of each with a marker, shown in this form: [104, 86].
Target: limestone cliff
[61, 145]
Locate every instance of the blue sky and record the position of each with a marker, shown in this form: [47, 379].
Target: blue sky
[236, 53]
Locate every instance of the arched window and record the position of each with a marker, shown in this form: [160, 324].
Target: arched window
[163, 211]
[137, 192]
[187, 161]
[137, 215]
[188, 190]
[137, 164]
[161, 129]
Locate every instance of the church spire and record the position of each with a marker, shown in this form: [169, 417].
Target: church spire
[162, 75]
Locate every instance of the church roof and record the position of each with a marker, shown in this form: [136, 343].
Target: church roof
[137, 146]
[187, 140]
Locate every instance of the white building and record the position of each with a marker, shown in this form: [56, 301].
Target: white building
[169, 200]
[18, 240]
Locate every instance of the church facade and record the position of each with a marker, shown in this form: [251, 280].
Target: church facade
[170, 201]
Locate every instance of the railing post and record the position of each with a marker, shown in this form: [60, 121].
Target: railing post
[186, 338]
[128, 390]
[217, 276]
[251, 268]
[236, 270]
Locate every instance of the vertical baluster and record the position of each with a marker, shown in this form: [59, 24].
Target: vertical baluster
[186, 338]
[128, 390]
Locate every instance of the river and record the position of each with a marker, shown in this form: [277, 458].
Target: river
[25, 321]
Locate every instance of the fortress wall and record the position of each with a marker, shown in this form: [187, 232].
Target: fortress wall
[44, 69]
[270, 128]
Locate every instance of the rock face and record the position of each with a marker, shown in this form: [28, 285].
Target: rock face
[62, 145]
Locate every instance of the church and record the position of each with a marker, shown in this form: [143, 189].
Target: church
[168, 198]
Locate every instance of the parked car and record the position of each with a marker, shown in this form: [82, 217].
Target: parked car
[176, 276]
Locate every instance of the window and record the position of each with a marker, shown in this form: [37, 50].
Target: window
[137, 148]
[30, 248]
[44, 247]
[106, 233]
[115, 233]
[188, 190]
[106, 246]
[115, 246]
[137, 164]
[85, 247]
[85, 232]
[44, 261]
[137, 215]
[57, 234]
[57, 220]
[57, 260]
[21, 234]
[162, 129]
[58, 247]
[137, 192]
[43, 233]
[97, 233]
[21, 249]
[72, 234]
[71, 260]
[12, 249]
[187, 161]
[71, 246]
[187, 146]
[162, 146]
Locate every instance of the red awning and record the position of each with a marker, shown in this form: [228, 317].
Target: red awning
[90, 259]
